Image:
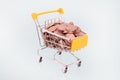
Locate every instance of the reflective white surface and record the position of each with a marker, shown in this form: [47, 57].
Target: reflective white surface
[19, 42]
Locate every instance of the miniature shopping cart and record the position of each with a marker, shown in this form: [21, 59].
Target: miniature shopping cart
[49, 39]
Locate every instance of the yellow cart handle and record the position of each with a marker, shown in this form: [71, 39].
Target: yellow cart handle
[35, 15]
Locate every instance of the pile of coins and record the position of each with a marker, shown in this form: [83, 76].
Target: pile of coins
[67, 30]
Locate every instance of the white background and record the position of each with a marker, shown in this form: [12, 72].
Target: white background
[19, 42]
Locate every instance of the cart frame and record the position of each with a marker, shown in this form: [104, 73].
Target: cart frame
[41, 30]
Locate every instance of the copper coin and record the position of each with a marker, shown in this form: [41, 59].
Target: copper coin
[71, 36]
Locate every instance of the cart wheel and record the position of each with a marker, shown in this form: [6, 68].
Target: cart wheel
[40, 60]
[66, 68]
[60, 53]
[79, 63]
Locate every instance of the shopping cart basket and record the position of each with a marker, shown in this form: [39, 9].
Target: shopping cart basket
[49, 39]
